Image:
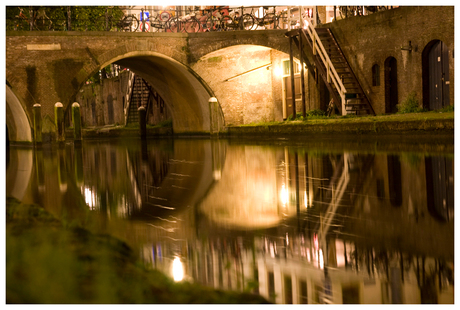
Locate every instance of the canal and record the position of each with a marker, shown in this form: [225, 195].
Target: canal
[318, 221]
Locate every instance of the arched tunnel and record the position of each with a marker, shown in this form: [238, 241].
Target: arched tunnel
[185, 94]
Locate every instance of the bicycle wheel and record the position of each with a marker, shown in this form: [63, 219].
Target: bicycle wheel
[247, 22]
[270, 21]
[192, 25]
[130, 23]
[212, 23]
[155, 24]
[227, 23]
[173, 25]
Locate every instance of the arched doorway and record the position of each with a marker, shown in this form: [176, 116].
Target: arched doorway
[391, 85]
[435, 71]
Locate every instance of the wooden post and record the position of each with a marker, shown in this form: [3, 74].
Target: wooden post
[142, 121]
[37, 124]
[76, 120]
[302, 77]
[59, 122]
[291, 60]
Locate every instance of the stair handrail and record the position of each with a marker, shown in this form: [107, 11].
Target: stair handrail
[131, 76]
[307, 24]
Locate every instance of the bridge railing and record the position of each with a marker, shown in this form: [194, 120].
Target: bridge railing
[172, 19]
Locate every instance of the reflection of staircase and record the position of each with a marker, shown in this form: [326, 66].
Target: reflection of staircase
[348, 179]
[320, 45]
[140, 94]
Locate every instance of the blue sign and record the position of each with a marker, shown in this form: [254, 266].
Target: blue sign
[146, 16]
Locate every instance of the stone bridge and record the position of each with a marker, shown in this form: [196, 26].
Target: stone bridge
[185, 69]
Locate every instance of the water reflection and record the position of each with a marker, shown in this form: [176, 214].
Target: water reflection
[295, 224]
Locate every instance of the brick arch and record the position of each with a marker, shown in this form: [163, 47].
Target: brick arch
[18, 124]
[199, 45]
[186, 95]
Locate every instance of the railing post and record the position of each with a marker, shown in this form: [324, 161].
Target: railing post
[143, 20]
[31, 18]
[69, 19]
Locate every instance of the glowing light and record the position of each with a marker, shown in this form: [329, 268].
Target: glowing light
[90, 198]
[278, 71]
[178, 270]
[321, 259]
[305, 199]
[284, 195]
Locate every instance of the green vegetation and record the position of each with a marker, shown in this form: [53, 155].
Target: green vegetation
[83, 18]
[443, 114]
[410, 105]
[49, 261]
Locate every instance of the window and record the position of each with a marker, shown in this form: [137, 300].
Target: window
[375, 75]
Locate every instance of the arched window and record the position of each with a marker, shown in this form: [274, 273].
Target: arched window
[375, 75]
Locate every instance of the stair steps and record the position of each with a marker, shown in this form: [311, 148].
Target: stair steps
[355, 100]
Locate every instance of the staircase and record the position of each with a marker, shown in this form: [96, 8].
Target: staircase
[320, 45]
[140, 93]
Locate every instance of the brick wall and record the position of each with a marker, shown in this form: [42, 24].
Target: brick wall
[371, 39]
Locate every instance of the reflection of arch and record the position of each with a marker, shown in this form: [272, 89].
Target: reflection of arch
[435, 75]
[18, 172]
[391, 85]
[19, 128]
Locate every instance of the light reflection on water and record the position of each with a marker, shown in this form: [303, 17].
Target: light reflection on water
[295, 223]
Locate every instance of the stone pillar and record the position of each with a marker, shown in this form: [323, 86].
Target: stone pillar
[37, 111]
[76, 120]
[59, 122]
[142, 121]
[213, 116]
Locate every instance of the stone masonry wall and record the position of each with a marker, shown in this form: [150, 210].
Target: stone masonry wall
[371, 39]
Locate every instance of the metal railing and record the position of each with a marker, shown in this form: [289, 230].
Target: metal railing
[318, 49]
[180, 19]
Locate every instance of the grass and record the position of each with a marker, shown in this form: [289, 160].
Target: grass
[446, 113]
[48, 262]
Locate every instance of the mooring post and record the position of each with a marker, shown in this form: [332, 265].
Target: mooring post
[76, 120]
[59, 121]
[37, 111]
[142, 121]
[213, 116]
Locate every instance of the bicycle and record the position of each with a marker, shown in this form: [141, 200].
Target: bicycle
[251, 22]
[212, 19]
[187, 23]
[158, 21]
[128, 23]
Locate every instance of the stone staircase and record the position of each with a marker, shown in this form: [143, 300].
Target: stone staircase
[320, 45]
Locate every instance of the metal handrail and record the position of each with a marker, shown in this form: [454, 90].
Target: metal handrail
[332, 74]
[128, 95]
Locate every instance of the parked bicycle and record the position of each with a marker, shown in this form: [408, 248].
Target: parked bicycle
[249, 21]
[188, 23]
[158, 21]
[128, 23]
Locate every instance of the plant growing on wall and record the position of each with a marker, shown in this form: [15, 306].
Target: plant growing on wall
[410, 104]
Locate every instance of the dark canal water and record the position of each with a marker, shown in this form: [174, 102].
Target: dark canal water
[297, 222]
